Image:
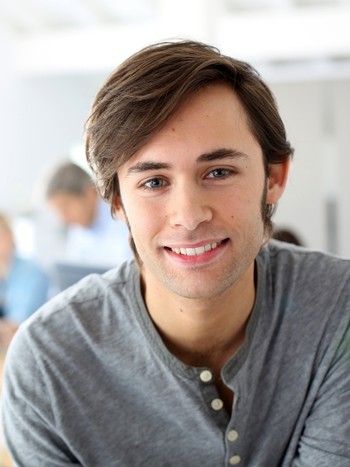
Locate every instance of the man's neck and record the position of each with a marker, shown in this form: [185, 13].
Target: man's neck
[202, 332]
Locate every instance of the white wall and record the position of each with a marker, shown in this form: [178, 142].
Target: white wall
[302, 206]
[8, 110]
[45, 118]
[342, 118]
[315, 204]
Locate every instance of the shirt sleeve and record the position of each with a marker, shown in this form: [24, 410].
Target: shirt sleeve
[29, 422]
[326, 436]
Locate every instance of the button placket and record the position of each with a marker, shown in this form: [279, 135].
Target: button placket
[211, 398]
[233, 443]
[206, 376]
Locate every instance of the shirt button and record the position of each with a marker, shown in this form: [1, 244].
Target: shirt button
[232, 435]
[206, 376]
[234, 460]
[217, 404]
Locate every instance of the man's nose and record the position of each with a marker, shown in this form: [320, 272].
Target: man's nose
[189, 207]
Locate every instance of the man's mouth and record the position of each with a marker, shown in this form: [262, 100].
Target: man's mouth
[196, 251]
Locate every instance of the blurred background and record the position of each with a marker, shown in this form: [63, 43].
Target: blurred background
[55, 54]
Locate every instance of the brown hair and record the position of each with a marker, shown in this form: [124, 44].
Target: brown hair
[141, 94]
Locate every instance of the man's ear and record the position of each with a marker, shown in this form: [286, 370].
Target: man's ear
[276, 181]
[118, 208]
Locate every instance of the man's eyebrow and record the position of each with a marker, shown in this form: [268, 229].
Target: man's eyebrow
[146, 166]
[218, 154]
[222, 153]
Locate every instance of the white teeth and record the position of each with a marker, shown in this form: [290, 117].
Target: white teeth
[196, 251]
[200, 250]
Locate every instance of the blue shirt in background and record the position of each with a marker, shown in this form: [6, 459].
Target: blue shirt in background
[104, 243]
[24, 290]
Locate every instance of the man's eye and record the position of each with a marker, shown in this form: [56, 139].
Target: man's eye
[219, 173]
[154, 183]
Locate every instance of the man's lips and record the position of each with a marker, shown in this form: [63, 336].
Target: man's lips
[194, 251]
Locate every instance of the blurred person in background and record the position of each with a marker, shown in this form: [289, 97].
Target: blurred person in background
[24, 285]
[93, 236]
[287, 235]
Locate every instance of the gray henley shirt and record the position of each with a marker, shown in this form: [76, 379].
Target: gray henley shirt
[89, 381]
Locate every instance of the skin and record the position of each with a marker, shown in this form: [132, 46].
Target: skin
[7, 246]
[75, 209]
[200, 181]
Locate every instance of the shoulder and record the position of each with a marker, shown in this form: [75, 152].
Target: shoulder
[308, 289]
[304, 301]
[289, 261]
[92, 318]
[78, 311]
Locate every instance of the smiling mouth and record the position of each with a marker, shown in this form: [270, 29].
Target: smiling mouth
[196, 251]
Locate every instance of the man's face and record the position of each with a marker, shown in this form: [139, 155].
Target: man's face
[74, 209]
[192, 198]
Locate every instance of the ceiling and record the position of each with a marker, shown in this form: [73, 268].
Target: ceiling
[26, 17]
[52, 36]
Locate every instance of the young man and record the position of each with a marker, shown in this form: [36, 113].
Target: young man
[213, 348]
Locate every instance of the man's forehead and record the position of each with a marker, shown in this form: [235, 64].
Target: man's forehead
[216, 102]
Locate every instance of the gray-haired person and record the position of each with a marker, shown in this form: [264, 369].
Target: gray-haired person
[93, 236]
